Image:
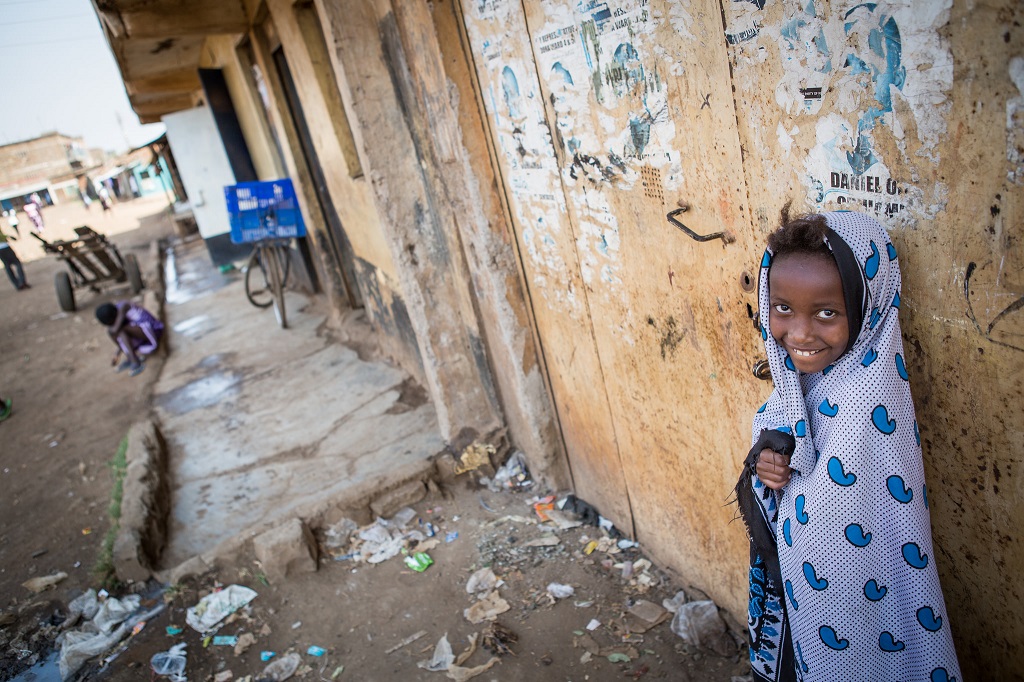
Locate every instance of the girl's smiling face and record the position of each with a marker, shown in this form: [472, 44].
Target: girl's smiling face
[807, 313]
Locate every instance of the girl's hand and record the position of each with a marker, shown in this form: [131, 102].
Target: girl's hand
[773, 469]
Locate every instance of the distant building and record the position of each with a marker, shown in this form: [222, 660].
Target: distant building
[52, 165]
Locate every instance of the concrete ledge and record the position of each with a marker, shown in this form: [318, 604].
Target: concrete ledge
[145, 504]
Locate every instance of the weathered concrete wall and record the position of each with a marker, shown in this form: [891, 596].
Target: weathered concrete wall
[604, 116]
[400, 154]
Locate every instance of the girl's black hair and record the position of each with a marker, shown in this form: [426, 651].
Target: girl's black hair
[106, 313]
[804, 234]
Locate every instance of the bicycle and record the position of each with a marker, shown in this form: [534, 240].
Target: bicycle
[271, 262]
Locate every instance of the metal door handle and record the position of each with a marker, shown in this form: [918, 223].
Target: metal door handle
[724, 236]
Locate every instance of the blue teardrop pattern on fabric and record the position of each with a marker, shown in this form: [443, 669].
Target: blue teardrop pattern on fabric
[766, 259]
[913, 556]
[898, 489]
[892, 251]
[786, 533]
[828, 369]
[856, 536]
[924, 495]
[941, 675]
[896, 300]
[917, 434]
[901, 368]
[789, 364]
[798, 505]
[801, 428]
[880, 418]
[928, 620]
[828, 409]
[762, 408]
[831, 639]
[886, 642]
[873, 592]
[871, 264]
[869, 357]
[813, 580]
[800, 657]
[792, 599]
[838, 474]
[764, 333]
[875, 317]
[784, 429]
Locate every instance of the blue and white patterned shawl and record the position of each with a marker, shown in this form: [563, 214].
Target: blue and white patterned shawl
[852, 526]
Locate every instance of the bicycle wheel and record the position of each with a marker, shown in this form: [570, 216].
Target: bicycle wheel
[257, 283]
[276, 274]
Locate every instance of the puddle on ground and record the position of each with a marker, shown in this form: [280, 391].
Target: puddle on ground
[205, 392]
[47, 670]
[192, 326]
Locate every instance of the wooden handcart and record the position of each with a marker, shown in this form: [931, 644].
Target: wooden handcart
[92, 260]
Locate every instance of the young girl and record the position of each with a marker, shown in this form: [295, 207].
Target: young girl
[843, 582]
[134, 330]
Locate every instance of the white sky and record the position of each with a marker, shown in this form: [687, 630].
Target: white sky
[58, 74]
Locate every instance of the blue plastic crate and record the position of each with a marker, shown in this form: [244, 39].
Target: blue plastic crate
[263, 210]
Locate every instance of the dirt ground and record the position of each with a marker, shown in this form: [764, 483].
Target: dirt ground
[71, 412]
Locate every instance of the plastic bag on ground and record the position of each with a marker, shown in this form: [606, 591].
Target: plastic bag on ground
[281, 669]
[483, 580]
[170, 663]
[78, 646]
[513, 474]
[672, 605]
[699, 625]
[114, 611]
[213, 608]
[85, 605]
[560, 591]
[442, 659]
[339, 534]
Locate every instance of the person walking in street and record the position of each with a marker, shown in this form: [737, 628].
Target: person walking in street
[35, 215]
[12, 220]
[12, 264]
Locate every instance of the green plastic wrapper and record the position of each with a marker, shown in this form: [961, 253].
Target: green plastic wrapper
[418, 561]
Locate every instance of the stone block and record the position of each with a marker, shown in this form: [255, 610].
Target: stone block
[446, 464]
[286, 549]
[406, 495]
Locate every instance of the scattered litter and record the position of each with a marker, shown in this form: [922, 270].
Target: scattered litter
[408, 640]
[562, 520]
[593, 624]
[338, 535]
[699, 624]
[543, 541]
[281, 669]
[223, 676]
[314, 650]
[460, 674]
[498, 639]
[39, 552]
[483, 580]
[244, 642]
[173, 630]
[644, 615]
[452, 536]
[170, 663]
[225, 640]
[585, 513]
[486, 506]
[468, 651]
[585, 658]
[513, 475]
[672, 605]
[419, 562]
[267, 655]
[442, 658]
[402, 517]
[627, 544]
[560, 591]
[296, 625]
[213, 608]
[619, 658]
[487, 608]
[591, 546]
[84, 605]
[543, 506]
[431, 530]
[337, 672]
[583, 604]
[346, 557]
[473, 457]
[43, 583]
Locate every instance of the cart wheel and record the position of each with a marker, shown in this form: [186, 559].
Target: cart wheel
[65, 293]
[131, 269]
